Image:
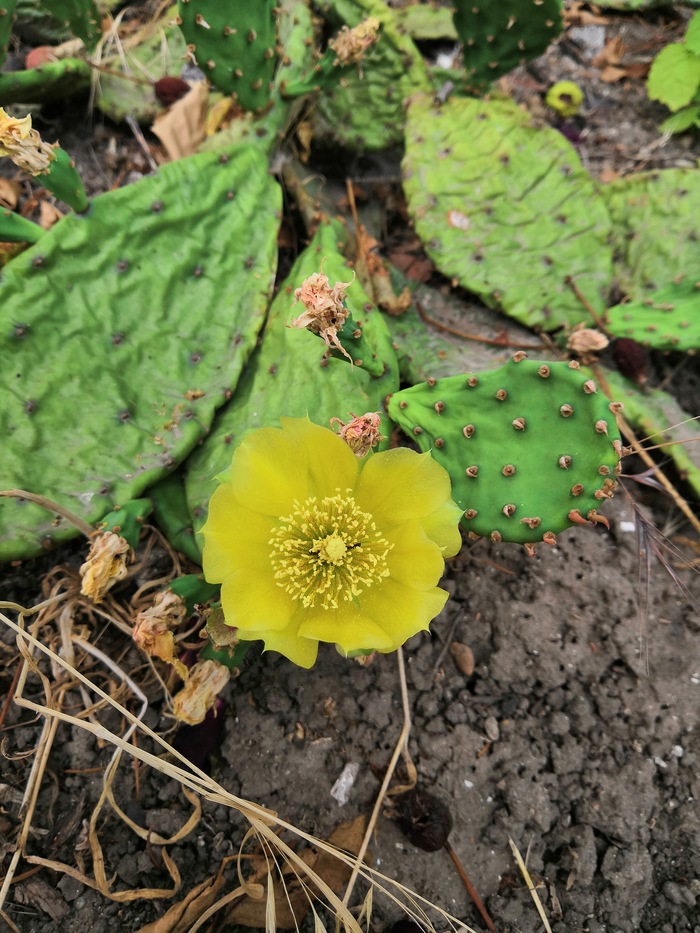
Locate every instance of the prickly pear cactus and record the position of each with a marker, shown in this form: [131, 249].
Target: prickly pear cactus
[80, 18]
[234, 45]
[498, 37]
[531, 448]
[53, 81]
[656, 228]
[123, 330]
[668, 319]
[506, 209]
[367, 111]
[7, 18]
[289, 374]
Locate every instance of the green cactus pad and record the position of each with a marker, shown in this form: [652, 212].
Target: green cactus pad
[531, 448]
[656, 228]
[17, 229]
[289, 376]
[234, 45]
[7, 18]
[666, 320]
[367, 111]
[80, 18]
[63, 180]
[159, 52]
[499, 36]
[123, 330]
[53, 81]
[506, 209]
[656, 416]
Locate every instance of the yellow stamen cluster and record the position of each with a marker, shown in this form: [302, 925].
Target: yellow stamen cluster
[328, 551]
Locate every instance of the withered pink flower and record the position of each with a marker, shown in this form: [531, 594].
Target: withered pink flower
[350, 45]
[324, 309]
[105, 565]
[362, 433]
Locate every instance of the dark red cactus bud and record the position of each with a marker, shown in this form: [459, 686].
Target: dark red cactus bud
[169, 89]
[631, 359]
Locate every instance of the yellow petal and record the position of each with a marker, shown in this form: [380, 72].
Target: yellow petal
[252, 599]
[442, 527]
[401, 611]
[399, 485]
[269, 471]
[345, 626]
[414, 559]
[234, 536]
[332, 465]
[287, 641]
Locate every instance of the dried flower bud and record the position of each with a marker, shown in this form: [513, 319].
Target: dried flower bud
[587, 340]
[153, 629]
[205, 682]
[24, 145]
[362, 433]
[325, 312]
[105, 565]
[350, 45]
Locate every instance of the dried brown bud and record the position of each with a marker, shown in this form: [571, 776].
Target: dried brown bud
[105, 565]
[205, 682]
[362, 433]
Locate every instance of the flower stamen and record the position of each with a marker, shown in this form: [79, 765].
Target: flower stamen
[328, 551]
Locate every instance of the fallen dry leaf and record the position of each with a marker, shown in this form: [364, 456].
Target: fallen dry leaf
[611, 74]
[9, 193]
[49, 214]
[182, 127]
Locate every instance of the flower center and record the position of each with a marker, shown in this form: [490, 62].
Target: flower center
[328, 551]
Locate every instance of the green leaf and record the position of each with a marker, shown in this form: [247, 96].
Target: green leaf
[681, 121]
[692, 36]
[674, 76]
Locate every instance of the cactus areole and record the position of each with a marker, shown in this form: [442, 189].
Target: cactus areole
[532, 448]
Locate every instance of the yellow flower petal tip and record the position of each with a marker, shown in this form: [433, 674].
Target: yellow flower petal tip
[350, 554]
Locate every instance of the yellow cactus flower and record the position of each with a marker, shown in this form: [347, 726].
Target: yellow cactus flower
[313, 544]
[23, 144]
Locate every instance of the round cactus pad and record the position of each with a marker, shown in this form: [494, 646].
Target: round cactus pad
[531, 448]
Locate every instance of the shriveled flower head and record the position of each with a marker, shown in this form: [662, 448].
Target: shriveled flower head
[324, 309]
[350, 45]
[23, 144]
[362, 433]
[311, 543]
[585, 340]
[206, 681]
[153, 628]
[105, 565]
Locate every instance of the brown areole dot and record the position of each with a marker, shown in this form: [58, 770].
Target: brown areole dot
[468, 430]
[509, 510]
[472, 471]
[566, 411]
[508, 470]
[519, 424]
[471, 513]
[565, 462]
[577, 489]
[502, 395]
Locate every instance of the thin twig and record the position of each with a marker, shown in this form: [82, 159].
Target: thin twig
[74, 519]
[597, 320]
[492, 341]
[471, 890]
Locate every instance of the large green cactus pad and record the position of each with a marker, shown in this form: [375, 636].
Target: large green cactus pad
[499, 36]
[531, 448]
[668, 319]
[506, 209]
[656, 228]
[123, 330]
[366, 112]
[234, 45]
[288, 374]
